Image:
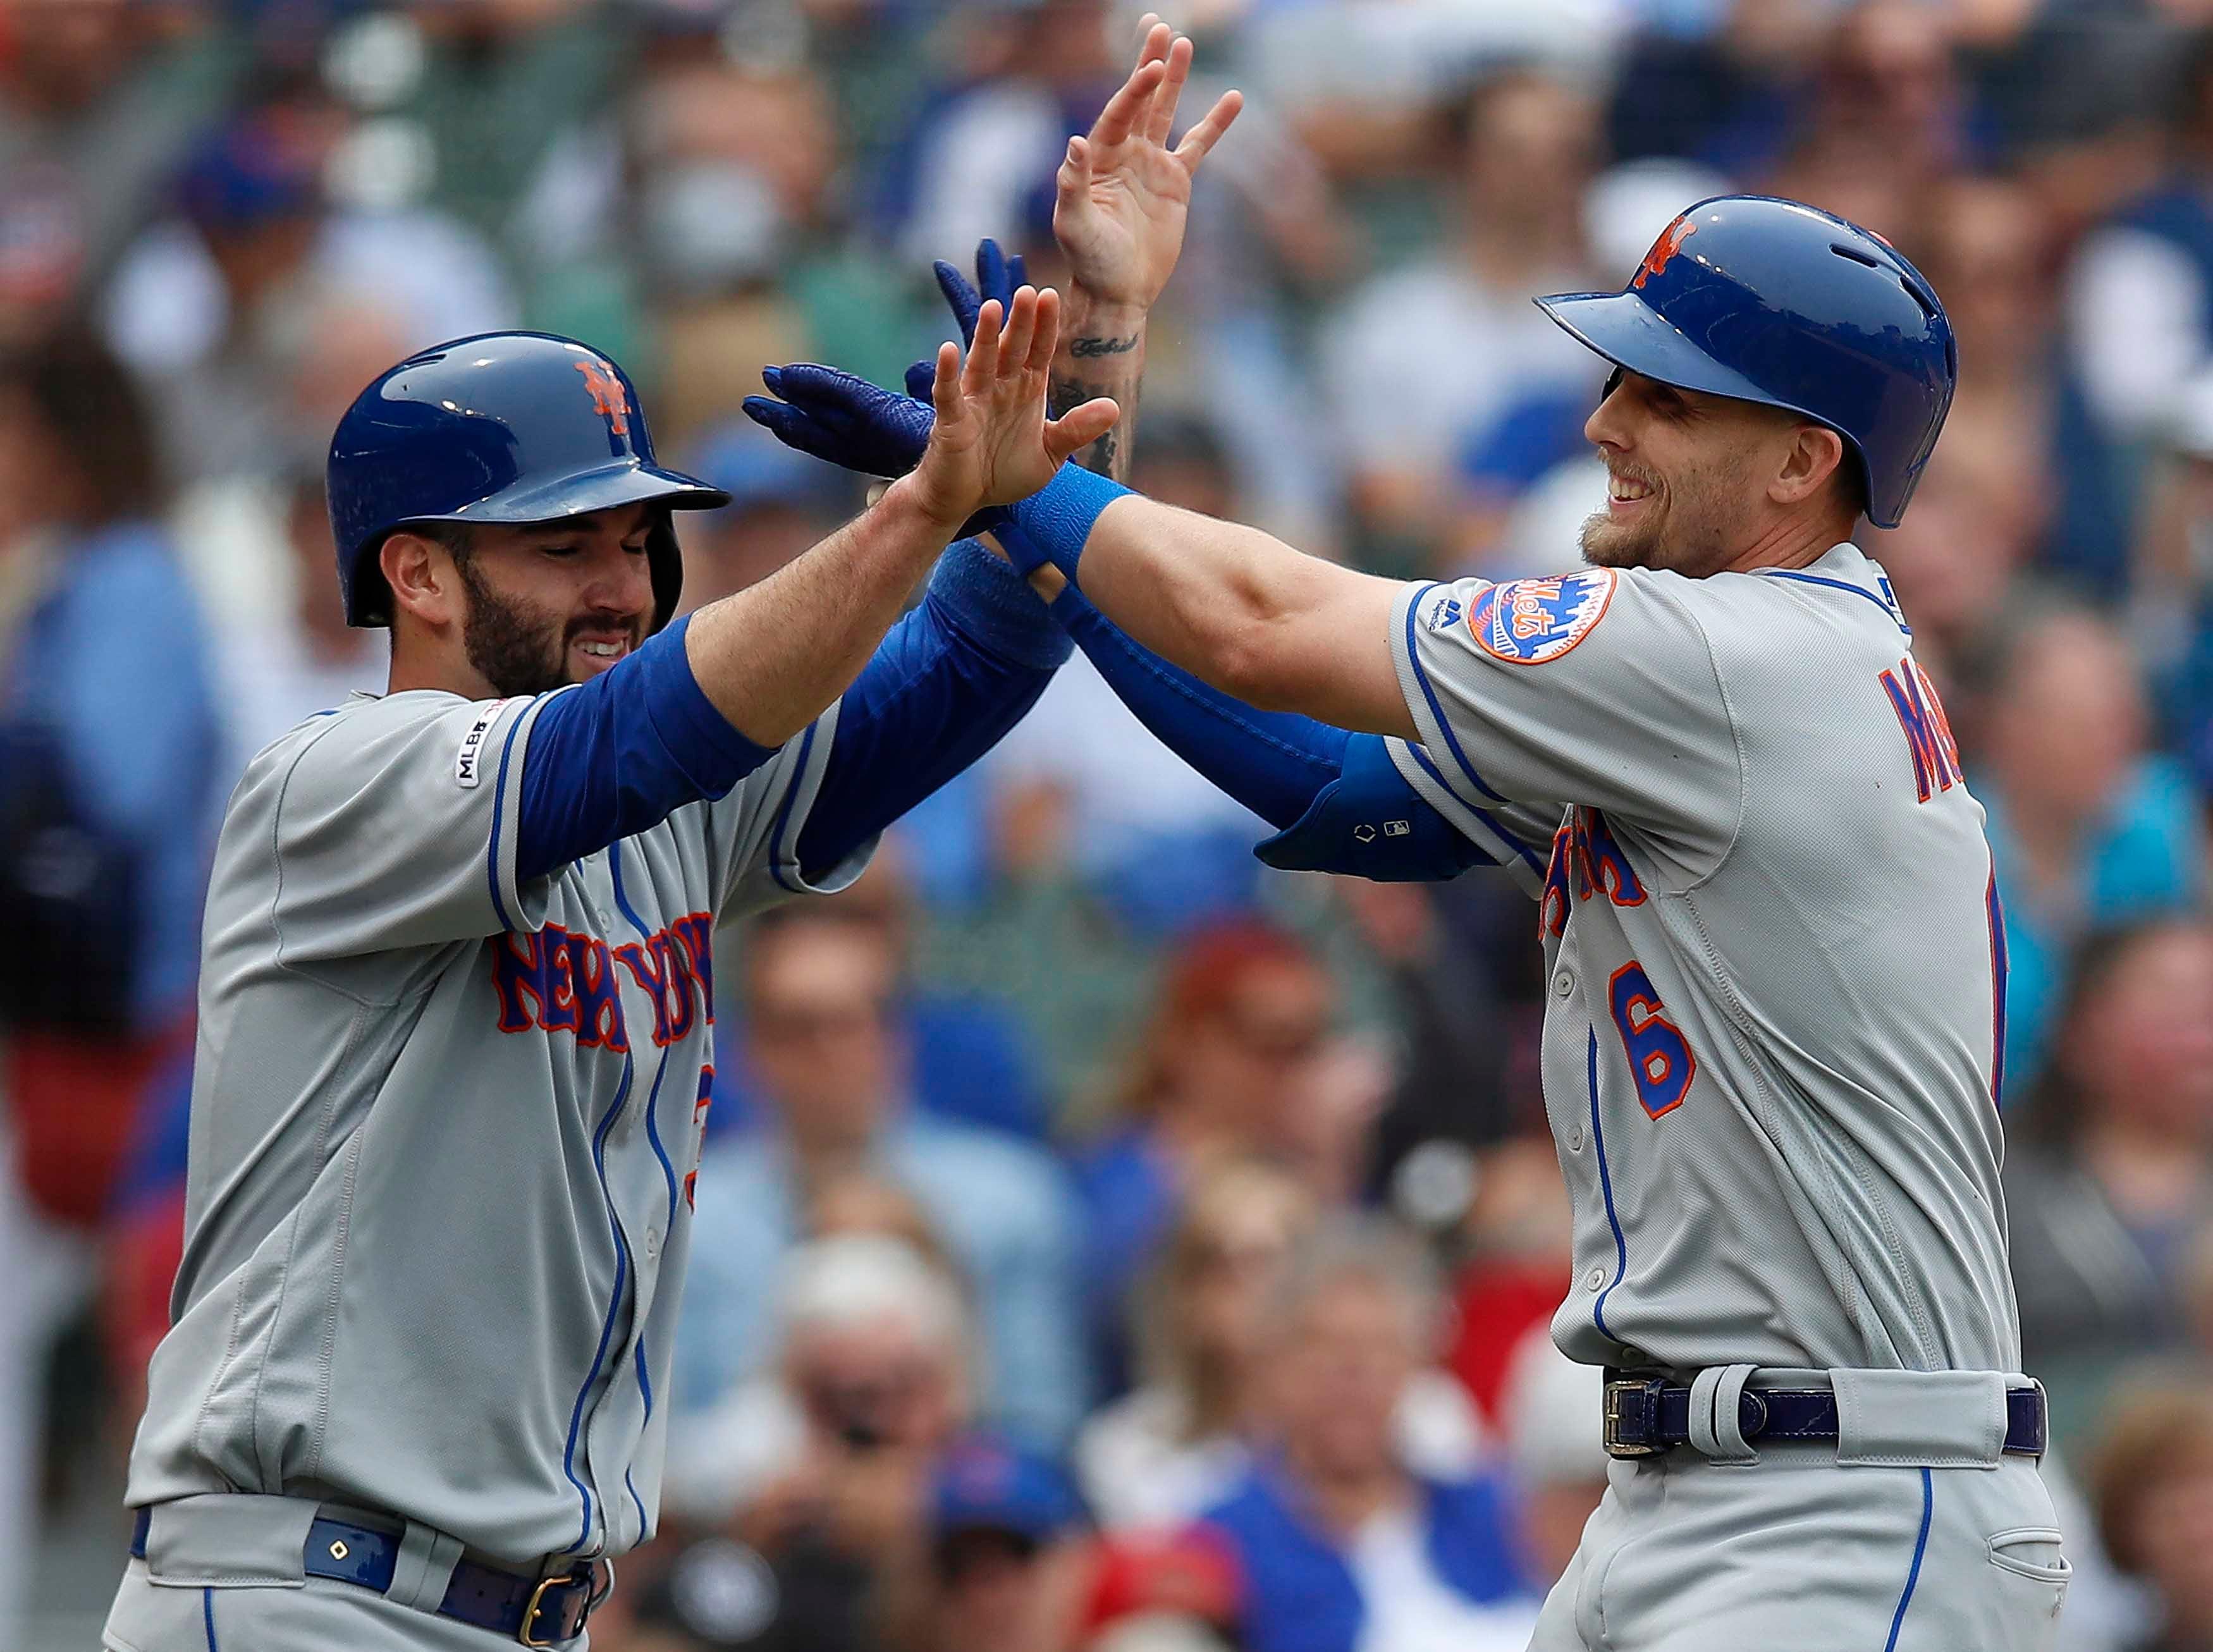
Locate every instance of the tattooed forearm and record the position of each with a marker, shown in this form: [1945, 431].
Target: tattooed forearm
[1101, 353]
[1084, 349]
[1109, 454]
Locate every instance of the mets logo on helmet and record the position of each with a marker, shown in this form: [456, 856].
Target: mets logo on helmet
[1670, 242]
[1528, 622]
[605, 390]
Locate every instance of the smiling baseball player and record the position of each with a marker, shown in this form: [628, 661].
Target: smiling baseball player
[456, 993]
[1775, 955]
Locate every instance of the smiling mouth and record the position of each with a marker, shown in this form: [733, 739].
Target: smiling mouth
[1626, 489]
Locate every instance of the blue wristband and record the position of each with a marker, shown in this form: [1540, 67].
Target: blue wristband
[1058, 518]
[993, 605]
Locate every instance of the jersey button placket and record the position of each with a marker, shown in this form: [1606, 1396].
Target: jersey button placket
[1575, 1139]
[1564, 983]
[1595, 1280]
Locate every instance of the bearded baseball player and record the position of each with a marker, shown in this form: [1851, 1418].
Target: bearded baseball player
[1775, 954]
[456, 994]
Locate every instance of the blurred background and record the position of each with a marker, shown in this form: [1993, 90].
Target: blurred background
[1105, 1242]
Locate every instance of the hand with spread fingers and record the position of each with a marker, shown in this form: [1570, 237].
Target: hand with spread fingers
[982, 439]
[1123, 193]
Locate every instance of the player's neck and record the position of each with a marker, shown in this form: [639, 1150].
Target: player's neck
[1788, 542]
[419, 662]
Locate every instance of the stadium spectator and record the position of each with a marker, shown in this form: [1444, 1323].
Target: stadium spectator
[1341, 1543]
[2109, 1177]
[1234, 1050]
[2138, 294]
[2149, 1483]
[1178, 1443]
[2171, 590]
[821, 1467]
[109, 747]
[1554, 1447]
[1006, 1561]
[1363, 83]
[1454, 335]
[2087, 826]
[821, 1040]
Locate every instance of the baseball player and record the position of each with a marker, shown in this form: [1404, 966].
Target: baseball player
[1775, 954]
[456, 995]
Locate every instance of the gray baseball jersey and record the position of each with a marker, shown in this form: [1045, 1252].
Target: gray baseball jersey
[1774, 956]
[444, 1126]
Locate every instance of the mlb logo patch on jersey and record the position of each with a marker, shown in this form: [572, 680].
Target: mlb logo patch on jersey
[1529, 622]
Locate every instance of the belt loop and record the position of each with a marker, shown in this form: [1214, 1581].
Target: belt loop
[425, 1568]
[1716, 1421]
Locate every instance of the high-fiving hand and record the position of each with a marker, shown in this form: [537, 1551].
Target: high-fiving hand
[982, 441]
[1123, 194]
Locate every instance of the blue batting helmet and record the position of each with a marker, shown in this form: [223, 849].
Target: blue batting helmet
[503, 427]
[1775, 302]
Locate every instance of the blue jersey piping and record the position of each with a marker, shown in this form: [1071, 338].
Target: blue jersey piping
[1436, 710]
[1606, 1186]
[1913, 1574]
[614, 1306]
[498, 802]
[783, 814]
[667, 1174]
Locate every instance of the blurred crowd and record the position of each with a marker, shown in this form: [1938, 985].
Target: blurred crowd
[1103, 1241]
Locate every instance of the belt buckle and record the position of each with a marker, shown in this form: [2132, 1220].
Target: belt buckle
[1632, 1407]
[524, 1632]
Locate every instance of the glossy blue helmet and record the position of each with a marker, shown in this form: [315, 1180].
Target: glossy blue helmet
[503, 427]
[1775, 302]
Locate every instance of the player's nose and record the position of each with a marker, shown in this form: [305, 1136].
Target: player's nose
[620, 581]
[1608, 427]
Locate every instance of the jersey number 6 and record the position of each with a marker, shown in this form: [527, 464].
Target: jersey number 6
[1659, 1060]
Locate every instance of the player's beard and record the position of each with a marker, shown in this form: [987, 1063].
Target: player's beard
[1688, 529]
[515, 646]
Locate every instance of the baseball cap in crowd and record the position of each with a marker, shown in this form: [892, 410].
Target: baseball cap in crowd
[984, 1485]
[249, 171]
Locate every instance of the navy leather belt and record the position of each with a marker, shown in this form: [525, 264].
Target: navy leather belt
[530, 1611]
[1645, 1416]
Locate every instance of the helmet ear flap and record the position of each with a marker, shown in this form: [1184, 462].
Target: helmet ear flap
[666, 561]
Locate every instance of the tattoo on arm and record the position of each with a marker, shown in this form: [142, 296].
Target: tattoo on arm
[1107, 362]
[1109, 454]
[1082, 349]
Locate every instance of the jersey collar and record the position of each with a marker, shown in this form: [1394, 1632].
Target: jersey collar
[1845, 567]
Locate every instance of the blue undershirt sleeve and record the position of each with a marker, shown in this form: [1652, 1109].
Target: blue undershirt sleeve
[950, 678]
[1339, 802]
[622, 752]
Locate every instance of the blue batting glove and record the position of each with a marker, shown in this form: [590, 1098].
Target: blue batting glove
[852, 423]
[846, 420]
[997, 275]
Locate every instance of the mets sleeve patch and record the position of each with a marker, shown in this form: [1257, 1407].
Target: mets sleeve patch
[1529, 622]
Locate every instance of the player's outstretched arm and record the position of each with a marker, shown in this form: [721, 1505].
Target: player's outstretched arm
[1236, 607]
[1336, 796]
[1233, 606]
[772, 657]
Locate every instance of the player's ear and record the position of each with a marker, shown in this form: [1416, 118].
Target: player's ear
[420, 572]
[1813, 456]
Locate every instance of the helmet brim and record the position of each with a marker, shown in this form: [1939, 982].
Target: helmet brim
[1629, 333]
[625, 482]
